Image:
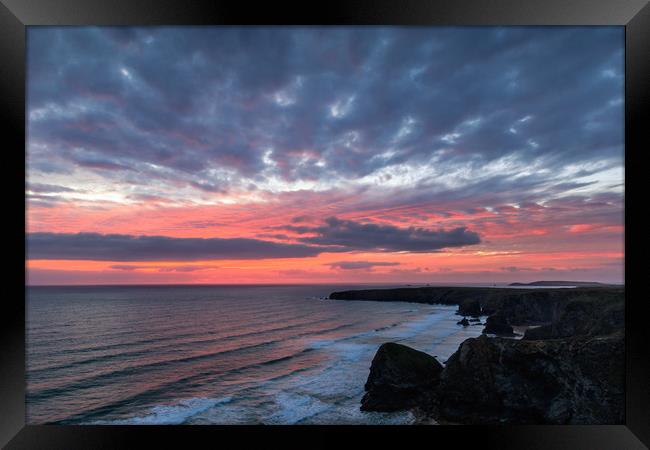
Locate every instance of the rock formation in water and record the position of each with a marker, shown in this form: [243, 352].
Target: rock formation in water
[470, 307]
[400, 377]
[568, 371]
[577, 380]
[498, 324]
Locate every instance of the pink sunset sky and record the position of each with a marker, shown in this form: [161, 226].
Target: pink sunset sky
[324, 155]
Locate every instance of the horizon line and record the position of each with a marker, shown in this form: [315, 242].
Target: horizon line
[441, 284]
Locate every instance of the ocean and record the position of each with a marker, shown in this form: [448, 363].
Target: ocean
[216, 354]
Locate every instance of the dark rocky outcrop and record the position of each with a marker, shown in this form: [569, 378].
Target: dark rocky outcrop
[583, 316]
[400, 378]
[498, 324]
[570, 370]
[576, 380]
[463, 322]
[470, 307]
[521, 306]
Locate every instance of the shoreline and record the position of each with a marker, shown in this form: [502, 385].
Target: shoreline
[323, 367]
[566, 340]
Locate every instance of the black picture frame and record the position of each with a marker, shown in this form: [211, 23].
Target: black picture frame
[15, 15]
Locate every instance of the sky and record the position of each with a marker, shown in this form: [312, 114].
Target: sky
[324, 154]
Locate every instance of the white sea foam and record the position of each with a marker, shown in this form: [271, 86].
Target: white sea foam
[294, 407]
[324, 385]
[171, 414]
[329, 395]
[350, 414]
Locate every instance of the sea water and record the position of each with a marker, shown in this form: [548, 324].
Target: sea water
[217, 354]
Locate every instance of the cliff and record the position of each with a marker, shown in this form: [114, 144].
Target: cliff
[578, 380]
[521, 306]
[570, 370]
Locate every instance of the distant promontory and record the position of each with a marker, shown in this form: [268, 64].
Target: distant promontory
[563, 283]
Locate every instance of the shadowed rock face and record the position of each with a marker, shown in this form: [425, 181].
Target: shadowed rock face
[520, 306]
[400, 378]
[583, 316]
[498, 324]
[570, 371]
[470, 307]
[566, 381]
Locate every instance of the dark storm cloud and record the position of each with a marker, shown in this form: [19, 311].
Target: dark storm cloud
[121, 247]
[361, 265]
[334, 236]
[368, 236]
[327, 102]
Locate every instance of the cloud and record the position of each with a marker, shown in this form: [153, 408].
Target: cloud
[515, 269]
[434, 108]
[352, 235]
[128, 268]
[334, 236]
[121, 247]
[361, 265]
[48, 188]
[184, 268]
[439, 137]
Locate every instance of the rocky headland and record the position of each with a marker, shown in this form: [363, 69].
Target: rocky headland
[568, 369]
[565, 283]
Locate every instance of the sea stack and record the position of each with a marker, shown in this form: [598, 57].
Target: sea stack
[498, 324]
[400, 377]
